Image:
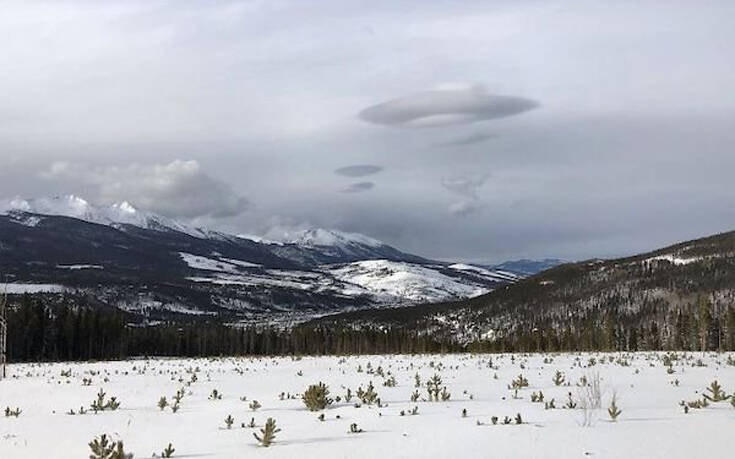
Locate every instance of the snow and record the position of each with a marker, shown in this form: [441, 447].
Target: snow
[76, 267]
[115, 215]
[652, 423]
[18, 288]
[258, 239]
[404, 280]
[244, 264]
[208, 264]
[497, 274]
[125, 213]
[678, 261]
[331, 238]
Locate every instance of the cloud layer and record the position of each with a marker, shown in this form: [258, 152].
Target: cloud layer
[358, 170]
[358, 187]
[177, 189]
[447, 105]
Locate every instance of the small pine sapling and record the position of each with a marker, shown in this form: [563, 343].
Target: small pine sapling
[229, 420]
[519, 383]
[267, 433]
[169, 451]
[316, 397]
[12, 413]
[613, 409]
[354, 429]
[162, 403]
[254, 405]
[104, 448]
[716, 392]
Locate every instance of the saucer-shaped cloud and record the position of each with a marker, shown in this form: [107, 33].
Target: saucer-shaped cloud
[446, 106]
[358, 170]
[358, 187]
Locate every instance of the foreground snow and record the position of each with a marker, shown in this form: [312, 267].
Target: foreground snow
[652, 423]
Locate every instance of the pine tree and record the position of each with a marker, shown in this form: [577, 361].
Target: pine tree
[316, 397]
[613, 409]
[267, 433]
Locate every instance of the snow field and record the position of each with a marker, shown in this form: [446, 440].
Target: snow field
[652, 423]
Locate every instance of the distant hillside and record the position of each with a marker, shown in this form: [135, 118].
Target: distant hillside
[158, 268]
[678, 297]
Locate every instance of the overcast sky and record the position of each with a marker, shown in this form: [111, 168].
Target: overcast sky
[477, 131]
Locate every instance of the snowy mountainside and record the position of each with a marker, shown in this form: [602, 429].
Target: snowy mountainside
[646, 295]
[145, 263]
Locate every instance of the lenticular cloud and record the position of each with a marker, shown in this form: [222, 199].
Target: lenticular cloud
[358, 170]
[446, 105]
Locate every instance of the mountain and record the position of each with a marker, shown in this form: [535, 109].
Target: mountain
[119, 256]
[527, 267]
[678, 297]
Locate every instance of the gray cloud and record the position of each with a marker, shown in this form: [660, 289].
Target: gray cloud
[609, 166]
[447, 105]
[463, 208]
[465, 186]
[358, 187]
[477, 137]
[177, 189]
[358, 170]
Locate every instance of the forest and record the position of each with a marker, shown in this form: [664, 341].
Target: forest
[39, 332]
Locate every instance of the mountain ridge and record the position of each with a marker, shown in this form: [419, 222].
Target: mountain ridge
[143, 262]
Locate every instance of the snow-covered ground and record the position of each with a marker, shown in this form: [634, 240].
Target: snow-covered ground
[652, 423]
[20, 288]
[406, 281]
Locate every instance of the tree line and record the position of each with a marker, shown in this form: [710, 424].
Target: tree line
[41, 332]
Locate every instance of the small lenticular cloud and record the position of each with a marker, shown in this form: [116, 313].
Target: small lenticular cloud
[471, 139]
[358, 187]
[358, 170]
[446, 105]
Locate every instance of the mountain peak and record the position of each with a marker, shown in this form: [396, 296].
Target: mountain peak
[331, 238]
[123, 213]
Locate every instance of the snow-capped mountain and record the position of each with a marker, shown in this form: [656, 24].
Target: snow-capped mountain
[117, 214]
[153, 265]
[321, 237]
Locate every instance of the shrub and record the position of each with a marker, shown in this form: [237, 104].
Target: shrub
[104, 405]
[316, 397]
[169, 451]
[103, 448]
[716, 392]
[613, 409]
[369, 396]
[519, 383]
[267, 433]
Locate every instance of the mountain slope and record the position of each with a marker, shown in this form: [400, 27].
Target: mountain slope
[158, 267]
[668, 295]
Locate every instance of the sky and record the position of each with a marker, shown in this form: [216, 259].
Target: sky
[458, 130]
